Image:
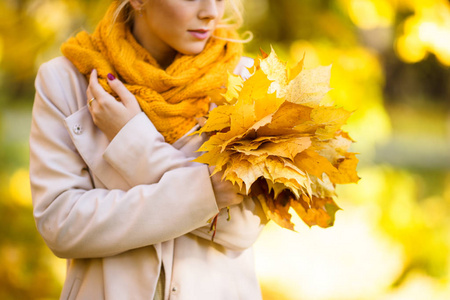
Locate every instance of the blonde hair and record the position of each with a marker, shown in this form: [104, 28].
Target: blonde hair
[234, 19]
[233, 12]
[124, 6]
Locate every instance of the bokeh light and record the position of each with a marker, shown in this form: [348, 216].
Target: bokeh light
[349, 261]
[19, 187]
[427, 31]
[370, 14]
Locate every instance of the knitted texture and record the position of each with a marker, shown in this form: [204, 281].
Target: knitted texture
[173, 98]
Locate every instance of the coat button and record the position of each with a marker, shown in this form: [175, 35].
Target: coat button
[174, 289]
[77, 129]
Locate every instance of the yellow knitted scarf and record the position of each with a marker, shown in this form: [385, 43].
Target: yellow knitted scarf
[173, 98]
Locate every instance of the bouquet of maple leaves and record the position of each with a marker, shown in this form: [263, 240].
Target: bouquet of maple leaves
[272, 137]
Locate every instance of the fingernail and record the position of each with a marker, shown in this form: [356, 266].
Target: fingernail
[111, 77]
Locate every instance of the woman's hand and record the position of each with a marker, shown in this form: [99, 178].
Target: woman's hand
[226, 193]
[109, 114]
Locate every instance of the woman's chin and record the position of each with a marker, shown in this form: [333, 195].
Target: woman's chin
[193, 50]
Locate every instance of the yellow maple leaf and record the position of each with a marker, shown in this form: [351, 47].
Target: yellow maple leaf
[272, 137]
[333, 149]
[242, 118]
[282, 147]
[278, 170]
[267, 105]
[216, 158]
[313, 163]
[309, 87]
[293, 72]
[290, 114]
[321, 212]
[221, 116]
[275, 70]
[280, 213]
[234, 86]
[288, 148]
[248, 169]
[323, 187]
[254, 87]
[331, 120]
[275, 208]
[346, 170]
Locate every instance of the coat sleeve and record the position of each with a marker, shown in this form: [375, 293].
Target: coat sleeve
[241, 231]
[149, 158]
[79, 221]
[153, 153]
[247, 219]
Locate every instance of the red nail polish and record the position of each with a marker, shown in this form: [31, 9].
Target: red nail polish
[111, 77]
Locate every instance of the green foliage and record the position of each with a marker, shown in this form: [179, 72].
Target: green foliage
[29, 270]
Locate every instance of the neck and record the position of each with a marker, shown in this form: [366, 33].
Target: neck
[161, 53]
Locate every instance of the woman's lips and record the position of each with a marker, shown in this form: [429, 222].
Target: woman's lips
[200, 34]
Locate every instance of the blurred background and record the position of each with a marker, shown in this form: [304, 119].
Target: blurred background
[390, 65]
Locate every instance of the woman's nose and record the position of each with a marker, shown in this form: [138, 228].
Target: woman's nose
[208, 9]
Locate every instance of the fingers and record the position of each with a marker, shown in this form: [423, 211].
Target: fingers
[226, 193]
[90, 98]
[128, 99]
[108, 102]
[90, 102]
[95, 92]
[95, 89]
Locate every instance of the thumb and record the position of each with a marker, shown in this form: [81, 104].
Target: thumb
[127, 98]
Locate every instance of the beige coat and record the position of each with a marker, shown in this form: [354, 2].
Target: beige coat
[119, 211]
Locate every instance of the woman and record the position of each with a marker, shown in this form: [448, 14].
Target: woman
[114, 188]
